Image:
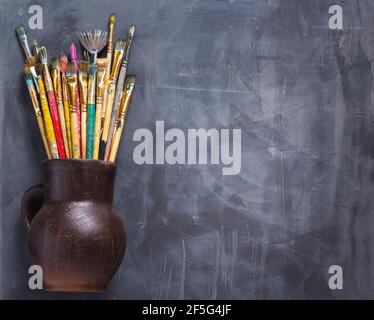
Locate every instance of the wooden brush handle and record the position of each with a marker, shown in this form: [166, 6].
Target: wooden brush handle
[117, 100]
[50, 133]
[108, 115]
[56, 123]
[68, 126]
[38, 115]
[65, 98]
[83, 125]
[75, 135]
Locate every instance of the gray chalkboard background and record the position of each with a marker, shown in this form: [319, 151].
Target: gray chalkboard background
[301, 94]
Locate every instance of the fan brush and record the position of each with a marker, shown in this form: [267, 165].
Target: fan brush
[93, 42]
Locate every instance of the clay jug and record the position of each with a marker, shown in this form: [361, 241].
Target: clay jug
[74, 233]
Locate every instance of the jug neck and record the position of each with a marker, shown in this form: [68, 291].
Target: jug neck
[67, 180]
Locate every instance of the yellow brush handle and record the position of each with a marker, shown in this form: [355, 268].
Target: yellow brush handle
[108, 115]
[84, 129]
[48, 121]
[75, 135]
[68, 126]
[115, 142]
[75, 141]
[44, 138]
[38, 114]
[65, 98]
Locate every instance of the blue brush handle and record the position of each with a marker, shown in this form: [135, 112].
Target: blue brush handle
[91, 109]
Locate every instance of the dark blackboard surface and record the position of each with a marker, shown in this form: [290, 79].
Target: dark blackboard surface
[301, 94]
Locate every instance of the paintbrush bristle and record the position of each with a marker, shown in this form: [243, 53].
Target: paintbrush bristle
[86, 55]
[92, 70]
[43, 56]
[83, 67]
[70, 70]
[131, 31]
[55, 64]
[39, 69]
[101, 62]
[94, 41]
[130, 80]
[31, 61]
[21, 31]
[35, 44]
[120, 45]
[63, 62]
[27, 72]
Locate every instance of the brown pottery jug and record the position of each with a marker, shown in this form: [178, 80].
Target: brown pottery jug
[74, 233]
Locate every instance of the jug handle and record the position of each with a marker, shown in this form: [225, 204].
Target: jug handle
[32, 202]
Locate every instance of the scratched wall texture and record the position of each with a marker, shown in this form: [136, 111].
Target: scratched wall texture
[303, 97]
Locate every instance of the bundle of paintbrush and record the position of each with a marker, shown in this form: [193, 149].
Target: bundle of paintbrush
[80, 106]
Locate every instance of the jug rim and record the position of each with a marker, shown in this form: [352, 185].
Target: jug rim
[102, 162]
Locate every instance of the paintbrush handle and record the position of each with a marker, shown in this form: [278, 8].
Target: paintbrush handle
[116, 140]
[83, 125]
[120, 121]
[65, 99]
[117, 100]
[60, 107]
[105, 100]
[90, 129]
[61, 115]
[108, 114]
[73, 56]
[79, 115]
[74, 135]
[54, 111]
[68, 127]
[56, 123]
[50, 133]
[91, 110]
[38, 114]
[74, 125]
[97, 130]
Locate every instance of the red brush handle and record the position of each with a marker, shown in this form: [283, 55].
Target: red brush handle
[56, 123]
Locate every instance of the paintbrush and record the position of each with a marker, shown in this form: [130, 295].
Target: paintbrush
[100, 78]
[36, 47]
[83, 81]
[48, 124]
[56, 79]
[91, 110]
[121, 115]
[35, 102]
[31, 62]
[111, 23]
[118, 54]
[23, 39]
[93, 42]
[65, 98]
[120, 83]
[72, 85]
[43, 58]
[25, 45]
[73, 58]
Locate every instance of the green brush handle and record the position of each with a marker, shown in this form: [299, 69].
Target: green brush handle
[90, 129]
